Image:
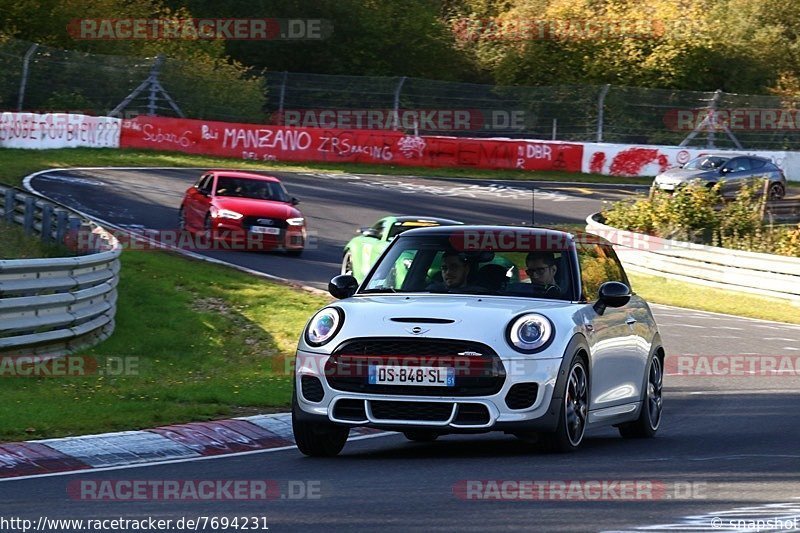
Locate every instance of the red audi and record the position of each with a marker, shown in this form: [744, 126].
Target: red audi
[243, 209]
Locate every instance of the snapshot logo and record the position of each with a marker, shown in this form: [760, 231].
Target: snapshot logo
[407, 119]
[733, 366]
[231, 29]
[39, 366]
[579, 490]
[524, 29]
[742, 119]
[137, 490]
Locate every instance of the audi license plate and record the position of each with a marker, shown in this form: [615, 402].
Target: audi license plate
[425, 376]
[264, 229]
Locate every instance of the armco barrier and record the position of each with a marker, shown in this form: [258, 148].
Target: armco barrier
[56, 306]
[764, 274]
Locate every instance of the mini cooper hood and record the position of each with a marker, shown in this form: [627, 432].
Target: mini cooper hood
[680, 174]
[254, 207]
[378, 315]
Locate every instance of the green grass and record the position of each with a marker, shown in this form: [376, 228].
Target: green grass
[16, 244]
[15, 164]
[201, 341]
[680, 294]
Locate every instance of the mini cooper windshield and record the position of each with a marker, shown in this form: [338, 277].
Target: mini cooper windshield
[437, 264]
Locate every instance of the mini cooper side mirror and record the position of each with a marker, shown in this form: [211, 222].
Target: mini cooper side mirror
[612, 294]
[343, 286]
[294, 201]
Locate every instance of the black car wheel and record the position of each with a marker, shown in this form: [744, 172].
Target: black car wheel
[317, 439]
[574, 412]
[347, 263]
[776, 191]
[181, 219]
[649, 419]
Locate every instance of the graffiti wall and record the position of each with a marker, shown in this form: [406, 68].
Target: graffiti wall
[276, 143]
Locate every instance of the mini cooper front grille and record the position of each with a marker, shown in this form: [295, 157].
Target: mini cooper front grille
[420, 411]
[477, 369]
[405, 346]
[522, 395]
[312, 389]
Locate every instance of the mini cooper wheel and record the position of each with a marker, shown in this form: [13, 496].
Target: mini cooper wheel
[649, 419]
[421, 435]
[347, 263]
[574, 412]
[317, 439]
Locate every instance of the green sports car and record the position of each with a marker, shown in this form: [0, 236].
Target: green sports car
[366, 247]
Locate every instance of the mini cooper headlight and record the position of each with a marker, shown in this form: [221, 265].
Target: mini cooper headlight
[299, 221]
[530, 333]
[324, 326]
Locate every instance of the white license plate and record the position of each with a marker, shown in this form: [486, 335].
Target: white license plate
[425, 376]
[668, 187]
[264, 229]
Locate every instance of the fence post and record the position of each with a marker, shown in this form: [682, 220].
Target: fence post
[9, 205]
[151, 104]
[601, 100]
[23, 83]
[555, 128]
[47, 223]
[713, 122]
[62, 220]
[30, 207]
[396, 104]
[283, 92]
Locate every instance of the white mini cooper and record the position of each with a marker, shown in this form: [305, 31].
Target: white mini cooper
[469, 329]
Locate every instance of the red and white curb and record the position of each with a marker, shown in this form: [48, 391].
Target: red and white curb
[152, 446]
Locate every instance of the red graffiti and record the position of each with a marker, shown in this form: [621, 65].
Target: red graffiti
[597, 162]
[632, 161]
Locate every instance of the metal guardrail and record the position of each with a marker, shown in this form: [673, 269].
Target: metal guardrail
[756, 273]
[782, 211]
[56, 306]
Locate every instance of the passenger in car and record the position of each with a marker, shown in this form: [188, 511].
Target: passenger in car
[455, 271]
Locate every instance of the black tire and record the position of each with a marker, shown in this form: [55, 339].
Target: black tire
[347, 263]
[573, 413]
[421, 435]
[181, 219]
[776, 191]
[207, 231]
[650, 414]
[318, 439]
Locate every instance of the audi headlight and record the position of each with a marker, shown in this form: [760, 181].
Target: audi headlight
[324, 326]
[530, 333]
[299, 221]
[226, 213]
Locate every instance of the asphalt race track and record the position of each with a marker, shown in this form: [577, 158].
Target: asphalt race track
[334, 206]
[728, 448]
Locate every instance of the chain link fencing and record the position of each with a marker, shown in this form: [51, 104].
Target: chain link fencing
[45, 79]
